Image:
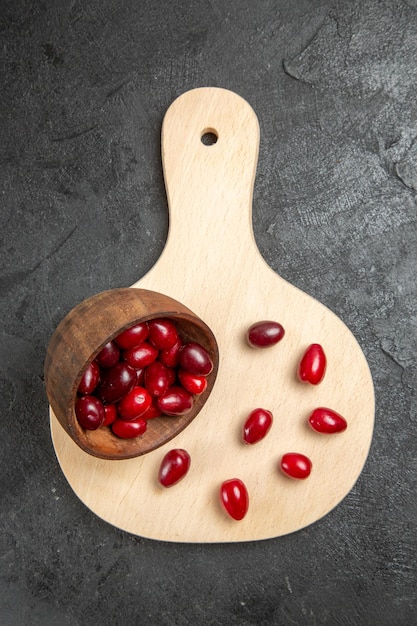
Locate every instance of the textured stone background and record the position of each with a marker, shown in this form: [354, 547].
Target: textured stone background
[84, 87]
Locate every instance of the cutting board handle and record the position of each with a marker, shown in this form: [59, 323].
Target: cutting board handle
[209, 185]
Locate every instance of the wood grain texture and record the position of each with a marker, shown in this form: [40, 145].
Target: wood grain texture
[212, 265]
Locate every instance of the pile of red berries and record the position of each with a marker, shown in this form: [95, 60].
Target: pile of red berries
[148, 371]
[145, 372]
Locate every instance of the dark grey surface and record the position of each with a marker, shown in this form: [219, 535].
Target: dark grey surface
[84, 87]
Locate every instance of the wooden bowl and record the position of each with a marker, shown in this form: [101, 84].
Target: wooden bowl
[80, 337]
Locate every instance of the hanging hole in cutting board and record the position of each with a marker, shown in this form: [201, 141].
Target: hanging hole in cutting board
[209, 137]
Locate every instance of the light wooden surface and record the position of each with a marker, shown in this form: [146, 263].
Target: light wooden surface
[212, 265]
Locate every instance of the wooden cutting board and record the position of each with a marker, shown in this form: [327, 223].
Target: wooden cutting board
[211, 263]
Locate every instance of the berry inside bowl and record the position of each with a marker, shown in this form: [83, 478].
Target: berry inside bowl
[127, 370]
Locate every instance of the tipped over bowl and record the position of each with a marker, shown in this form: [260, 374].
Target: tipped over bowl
[81, 337]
